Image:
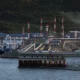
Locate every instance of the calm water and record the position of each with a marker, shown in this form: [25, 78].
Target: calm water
[9, 71]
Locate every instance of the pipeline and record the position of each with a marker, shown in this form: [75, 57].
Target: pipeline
[29, 47]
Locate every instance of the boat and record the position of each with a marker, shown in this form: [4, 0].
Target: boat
[11, 44]
[1, 50]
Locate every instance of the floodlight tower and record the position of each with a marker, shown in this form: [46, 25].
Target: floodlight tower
[28, 30]
[54, 26]
[47, 27]
[62, 33]
[41, 27]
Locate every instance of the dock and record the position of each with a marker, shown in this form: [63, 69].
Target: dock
[52, 54]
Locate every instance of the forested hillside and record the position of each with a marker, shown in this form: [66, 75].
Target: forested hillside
[14, 14]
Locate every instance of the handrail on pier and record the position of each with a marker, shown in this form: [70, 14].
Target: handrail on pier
[38, 47]
[26, 49]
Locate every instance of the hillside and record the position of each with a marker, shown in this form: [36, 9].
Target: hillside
[14, 14]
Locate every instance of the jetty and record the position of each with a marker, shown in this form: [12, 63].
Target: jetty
[51, 53]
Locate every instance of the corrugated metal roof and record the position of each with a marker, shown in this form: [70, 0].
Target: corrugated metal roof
[3, 35]
[19, 35]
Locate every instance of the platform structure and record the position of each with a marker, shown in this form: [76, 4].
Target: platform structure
[54, 59]
[50, 54]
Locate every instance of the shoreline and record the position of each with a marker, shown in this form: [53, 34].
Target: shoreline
[14, 55]
[68, 67]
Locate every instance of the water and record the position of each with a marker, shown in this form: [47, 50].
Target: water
[9, 71]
